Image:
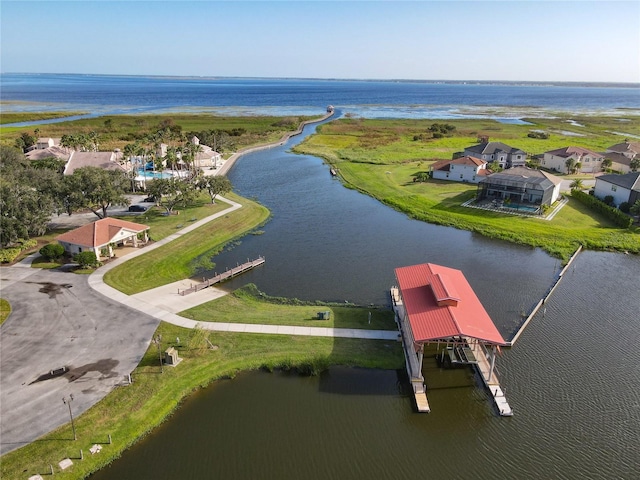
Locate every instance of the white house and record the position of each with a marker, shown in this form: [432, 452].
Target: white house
[590, 162]
[623, 188]
[100, 237]
[502, 154]
[44, 143]
[463, 169]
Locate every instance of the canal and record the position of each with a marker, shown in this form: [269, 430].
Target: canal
[572, 379]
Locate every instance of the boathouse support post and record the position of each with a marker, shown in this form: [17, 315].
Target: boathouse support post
[420, 356]
[493, 362]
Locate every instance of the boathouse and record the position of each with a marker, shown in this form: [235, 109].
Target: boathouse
[436, 305]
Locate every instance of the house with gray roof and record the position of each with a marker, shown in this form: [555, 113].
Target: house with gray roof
[623, 188]
[590, 162]
[626, 148]
[619, 162]
[104, 160]
[520, 186]
[502, 154]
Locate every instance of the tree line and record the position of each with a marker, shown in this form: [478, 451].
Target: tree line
[31, 192]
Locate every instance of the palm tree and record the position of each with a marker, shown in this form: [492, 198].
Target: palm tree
[577, 184]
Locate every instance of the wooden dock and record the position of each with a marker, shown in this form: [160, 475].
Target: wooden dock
[248, 265]
[414, 368]
[490, 379]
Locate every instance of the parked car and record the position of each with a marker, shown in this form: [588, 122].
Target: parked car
[137, 208]
[150, 199]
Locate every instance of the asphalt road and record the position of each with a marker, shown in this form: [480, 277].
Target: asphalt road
[57, 320]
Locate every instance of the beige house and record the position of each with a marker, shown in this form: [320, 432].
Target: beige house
[621, 155]
[590, 162]
[102, 236]
[206, 156]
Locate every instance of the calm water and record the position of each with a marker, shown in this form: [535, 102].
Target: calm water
[326, 242]
[105, 94]
[572, 379]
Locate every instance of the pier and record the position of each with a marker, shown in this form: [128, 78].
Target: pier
[435, 304]
[235, 271]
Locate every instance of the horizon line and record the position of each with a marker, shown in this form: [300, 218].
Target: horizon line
[405, 80]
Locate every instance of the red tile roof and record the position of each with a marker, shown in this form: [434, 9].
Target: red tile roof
[99, 233]
[440, 304]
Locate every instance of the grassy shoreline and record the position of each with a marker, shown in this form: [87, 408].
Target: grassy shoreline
[179, 259]
[131, 412]
[380, 158]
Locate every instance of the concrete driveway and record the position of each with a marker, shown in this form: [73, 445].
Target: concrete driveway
[57, 320]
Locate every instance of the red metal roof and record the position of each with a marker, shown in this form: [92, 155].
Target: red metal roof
[422, 285]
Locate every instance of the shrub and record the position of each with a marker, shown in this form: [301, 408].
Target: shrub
[608, 200]
[613, 214]
[625, 207]
[8, 255]
[52, 251]
[86, 259]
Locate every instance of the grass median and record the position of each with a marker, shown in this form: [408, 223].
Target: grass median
[130, 412]
[179, 259]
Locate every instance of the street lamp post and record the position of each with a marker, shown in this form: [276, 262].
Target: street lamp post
[158, 341]
[68, 403]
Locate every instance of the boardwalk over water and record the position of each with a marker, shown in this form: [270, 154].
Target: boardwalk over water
[248, 265]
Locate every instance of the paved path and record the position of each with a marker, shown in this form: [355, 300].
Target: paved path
[97, 333]
[164, 302]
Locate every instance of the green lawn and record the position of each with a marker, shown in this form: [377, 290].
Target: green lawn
[128, 413]
[248, 305]
[5, 310]
[380, 158]
[180, 258]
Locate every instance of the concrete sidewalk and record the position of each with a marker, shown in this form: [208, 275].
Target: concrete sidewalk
[164, 303]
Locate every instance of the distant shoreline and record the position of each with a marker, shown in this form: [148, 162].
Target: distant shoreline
[529, 83]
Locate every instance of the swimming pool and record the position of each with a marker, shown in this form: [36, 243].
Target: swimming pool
[146, 175]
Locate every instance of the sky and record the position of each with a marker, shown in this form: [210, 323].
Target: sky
[541, 40]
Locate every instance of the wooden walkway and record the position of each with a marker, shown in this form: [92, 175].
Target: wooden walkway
[493, 384]
[414, 367]
[224, 276]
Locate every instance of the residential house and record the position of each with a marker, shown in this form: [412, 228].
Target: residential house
[623, 188]
[629, 149]
[206, 157]
[44, 143]
[105, 160]
[463, 169]
[101, 236]
[55, 151]
[619, 162]
[502, 154]
[589, 161]
[621, 155]
[521, 185]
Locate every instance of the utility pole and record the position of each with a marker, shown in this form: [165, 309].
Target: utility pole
[68, 403]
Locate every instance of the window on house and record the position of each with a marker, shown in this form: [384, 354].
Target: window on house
[614, 188]
[461, 176]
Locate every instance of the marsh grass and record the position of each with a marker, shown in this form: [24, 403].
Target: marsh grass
[386, 172]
